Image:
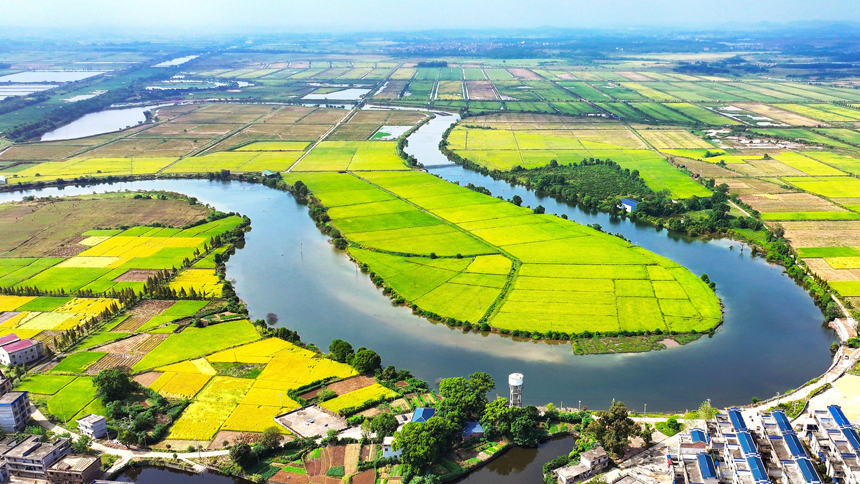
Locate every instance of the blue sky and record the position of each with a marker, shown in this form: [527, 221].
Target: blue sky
[232, 16]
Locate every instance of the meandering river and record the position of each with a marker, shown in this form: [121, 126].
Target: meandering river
[772, 339]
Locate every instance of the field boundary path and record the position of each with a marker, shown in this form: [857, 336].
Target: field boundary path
[124, 454]
[325, 135]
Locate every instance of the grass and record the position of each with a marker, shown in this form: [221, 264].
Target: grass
[77, 362]
[45, 384]
[67, 402]
[813, 252]
[196, 342]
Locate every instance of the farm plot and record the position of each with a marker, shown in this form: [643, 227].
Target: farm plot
[481, 91]
[702, 115]
[372, 393]
[196, 342]
[665, 138]
[831, 187]
[781, 115]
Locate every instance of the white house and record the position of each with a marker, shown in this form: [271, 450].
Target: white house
[3, 180]
[590, 463]
[15, 351]
[93, 426]
[387, 450]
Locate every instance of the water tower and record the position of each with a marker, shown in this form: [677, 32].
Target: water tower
[515, 381]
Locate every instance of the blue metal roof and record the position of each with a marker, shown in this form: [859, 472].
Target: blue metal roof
[782, 422]
[472, 428]
[737, 419]
[808, 471]
[629, 201]
[840, 418]
[757, 468]
[852, 437]
[706, 465]
[423, 414]
[747, 444]
[698, 435]
[794, 446]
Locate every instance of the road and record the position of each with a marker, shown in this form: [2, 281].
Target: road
[126, 454]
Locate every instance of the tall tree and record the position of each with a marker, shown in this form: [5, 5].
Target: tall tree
[340, 350]
[613, 429]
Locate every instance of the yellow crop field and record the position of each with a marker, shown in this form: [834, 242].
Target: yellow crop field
[259, 350]
[11, 303]
[51, 321]
[225, 390]
[14, 320]
[125, 248]
[88, 306]
[204, 281]
[201, 421]
[94, 240]
[269, 397]
[254, 418]
[199, 365]
[844, 262]
[98, 167]
[88, 262]
[295, 372]
[275, 146]
[358, 397]
[183, 385]
[162, 380]
[490, 264]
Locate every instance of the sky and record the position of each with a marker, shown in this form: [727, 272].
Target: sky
[144, 17]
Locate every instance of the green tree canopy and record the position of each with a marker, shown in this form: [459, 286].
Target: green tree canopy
[113, 385]
[520, 425]
[384, 425]
[423, 443]
[464, 398]
[366, 361]
[340, 350]
[271, 437]
[613, 429]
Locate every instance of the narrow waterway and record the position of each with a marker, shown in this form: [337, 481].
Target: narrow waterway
[519, 464]
[166, 475]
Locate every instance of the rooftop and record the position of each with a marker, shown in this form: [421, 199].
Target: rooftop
[18, 345]
[9, 338]
[472, 428]
[594, 454]
[90, 419]
[74, 462]
[423, 414]
[11, 397]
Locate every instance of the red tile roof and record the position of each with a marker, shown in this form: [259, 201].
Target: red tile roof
[18, 346]
[9, 338]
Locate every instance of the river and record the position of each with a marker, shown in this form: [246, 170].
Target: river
[101, 122]
[772, 339]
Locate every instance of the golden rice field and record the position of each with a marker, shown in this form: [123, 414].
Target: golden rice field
[354, 399]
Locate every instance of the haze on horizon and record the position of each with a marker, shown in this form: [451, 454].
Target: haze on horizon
[141, 19]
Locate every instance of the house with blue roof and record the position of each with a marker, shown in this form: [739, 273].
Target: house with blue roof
[833, 439]
[629, 204]
[472, 430]
[423, 414]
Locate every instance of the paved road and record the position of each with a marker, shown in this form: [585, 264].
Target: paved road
[124, 454]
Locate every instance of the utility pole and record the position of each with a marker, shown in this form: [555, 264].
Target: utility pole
[645, 415]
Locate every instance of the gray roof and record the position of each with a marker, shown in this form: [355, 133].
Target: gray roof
[594, 454]
[90, 419]
[10, 397]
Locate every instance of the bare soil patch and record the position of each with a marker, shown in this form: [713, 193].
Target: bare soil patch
[823, 233]
[118, 361]
[481, 91]
[291, 478]
[789, 202]
[136, 275]
[366, 477]
[147, 379]
[344, 386]
[525, 74]
[824, 270]
[703, 168]
[786, 117]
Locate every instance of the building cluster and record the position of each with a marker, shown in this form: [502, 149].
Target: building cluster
[833, 439]
[764, 447]
[34, 458]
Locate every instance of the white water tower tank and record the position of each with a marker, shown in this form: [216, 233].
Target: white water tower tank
[515, 381]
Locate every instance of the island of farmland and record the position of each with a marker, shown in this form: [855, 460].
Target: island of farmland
[461, 256]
